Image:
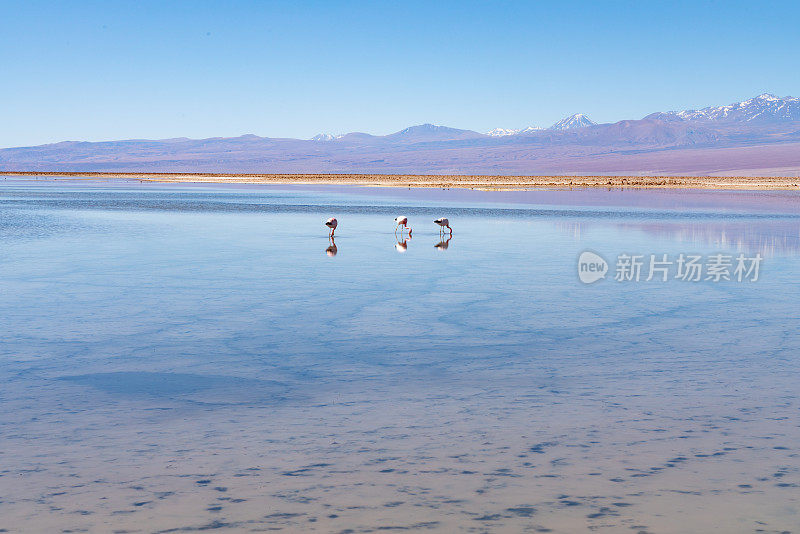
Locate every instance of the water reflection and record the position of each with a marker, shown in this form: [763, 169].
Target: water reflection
[332, 249]
[402, 244]
[443, 244]
[768, 238]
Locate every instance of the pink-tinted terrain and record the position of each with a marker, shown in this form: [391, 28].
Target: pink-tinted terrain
[756, 137]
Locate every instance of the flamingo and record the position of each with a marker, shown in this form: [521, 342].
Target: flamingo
[443, 222]
[402, 220]
[332, 223]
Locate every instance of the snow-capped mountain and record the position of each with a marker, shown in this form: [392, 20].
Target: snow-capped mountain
[502, 132]
[325, 137]
[579, 120]
[760, 109]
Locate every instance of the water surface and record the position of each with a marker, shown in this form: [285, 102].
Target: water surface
[181, 358]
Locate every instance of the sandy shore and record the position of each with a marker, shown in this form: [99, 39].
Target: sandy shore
[463, 181]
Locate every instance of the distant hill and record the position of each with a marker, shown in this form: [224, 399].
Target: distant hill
[431, 132]
[758, 136]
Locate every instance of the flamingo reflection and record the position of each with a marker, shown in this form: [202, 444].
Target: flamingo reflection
[402, 244]
[443, 244]
[332, 249]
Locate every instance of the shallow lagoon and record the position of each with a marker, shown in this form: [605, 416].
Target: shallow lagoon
[179, 358]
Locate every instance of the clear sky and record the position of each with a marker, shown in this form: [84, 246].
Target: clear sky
[79, 70]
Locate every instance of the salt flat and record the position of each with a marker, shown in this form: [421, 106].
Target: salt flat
[767, 179]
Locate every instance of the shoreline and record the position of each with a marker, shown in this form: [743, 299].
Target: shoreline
[483, 182]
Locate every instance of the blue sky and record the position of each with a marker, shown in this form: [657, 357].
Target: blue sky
[119, 70]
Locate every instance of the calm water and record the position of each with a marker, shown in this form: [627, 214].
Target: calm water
[179, 358]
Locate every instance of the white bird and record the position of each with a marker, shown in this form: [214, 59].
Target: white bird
[402, 220]
[332, 223]
[443, 223]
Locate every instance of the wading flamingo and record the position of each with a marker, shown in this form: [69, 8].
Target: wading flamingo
[401, 222]
[443, 223]
[332, 223]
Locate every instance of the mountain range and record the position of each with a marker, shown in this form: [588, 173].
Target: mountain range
[758, 136]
